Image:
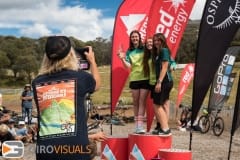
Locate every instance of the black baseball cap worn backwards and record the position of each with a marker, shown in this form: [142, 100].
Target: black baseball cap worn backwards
[57, 47]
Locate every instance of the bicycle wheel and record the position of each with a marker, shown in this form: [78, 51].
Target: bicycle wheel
[218, 126]
[204, 123]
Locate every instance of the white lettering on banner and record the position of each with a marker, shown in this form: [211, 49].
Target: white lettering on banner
[220, 74]
[143, 29]
[181, 18]
[212, 10]
[167, 22]
[187, 77]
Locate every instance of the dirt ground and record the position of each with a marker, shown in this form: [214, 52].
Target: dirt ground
[204, 146]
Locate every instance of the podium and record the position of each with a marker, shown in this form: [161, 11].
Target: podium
[115, 148]
[146, 146]
[173, 154]
[142, 147]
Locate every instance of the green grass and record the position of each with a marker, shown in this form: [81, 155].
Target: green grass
[102, 96]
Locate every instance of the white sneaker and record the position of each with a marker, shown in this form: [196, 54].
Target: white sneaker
[140, 130]
[182, 129]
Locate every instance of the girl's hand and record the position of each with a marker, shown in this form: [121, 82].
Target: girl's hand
[99, 136]
[121, 55]
[90, 55]
[158, 87]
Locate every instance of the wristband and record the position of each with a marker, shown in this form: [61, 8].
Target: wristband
[159, 81]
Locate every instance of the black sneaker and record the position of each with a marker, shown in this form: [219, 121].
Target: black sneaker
[158, 125]
[156, 131]
[167, 132]
[157, 128]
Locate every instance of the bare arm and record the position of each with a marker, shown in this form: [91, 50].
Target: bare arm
[163, 70]
[162, 74]
[99, 136]
[124, 62]
[93, 67]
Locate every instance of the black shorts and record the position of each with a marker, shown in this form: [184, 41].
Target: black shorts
[143, 84]
[151, 88]
[161, 97]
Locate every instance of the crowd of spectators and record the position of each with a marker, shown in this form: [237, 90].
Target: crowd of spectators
[14, 129]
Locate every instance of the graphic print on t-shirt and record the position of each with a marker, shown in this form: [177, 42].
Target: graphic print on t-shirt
[57, 109]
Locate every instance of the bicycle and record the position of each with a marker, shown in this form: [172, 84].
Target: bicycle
[91, 112]
[213, 120]
[90, 109]
[120, 113]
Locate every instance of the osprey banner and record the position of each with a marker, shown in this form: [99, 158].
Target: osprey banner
[131, 15]
[220, 22]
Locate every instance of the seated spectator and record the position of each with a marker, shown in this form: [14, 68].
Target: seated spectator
[93, 139]
[11, 127]
[32, 131]
[6, 115]
[5, 135]
[22, 133]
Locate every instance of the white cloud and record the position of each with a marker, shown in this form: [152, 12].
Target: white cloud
[24, 4]
[35, 31]
[39, 18]
[49, 17]
[197, 10]
[108, 27]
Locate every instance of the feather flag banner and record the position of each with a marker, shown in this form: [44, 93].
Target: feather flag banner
[170, 17]
[220, 22]
[131, 15]
[223, 79]
[186, 77]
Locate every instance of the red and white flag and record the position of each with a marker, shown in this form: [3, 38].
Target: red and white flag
[186, 77]
[170, 17]
[131, 15]
[148, 17]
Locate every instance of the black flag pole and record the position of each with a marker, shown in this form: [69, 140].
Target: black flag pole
[190, 144]
[236, 117]
[230, 147]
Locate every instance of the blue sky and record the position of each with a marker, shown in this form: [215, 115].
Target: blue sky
[83, 19]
